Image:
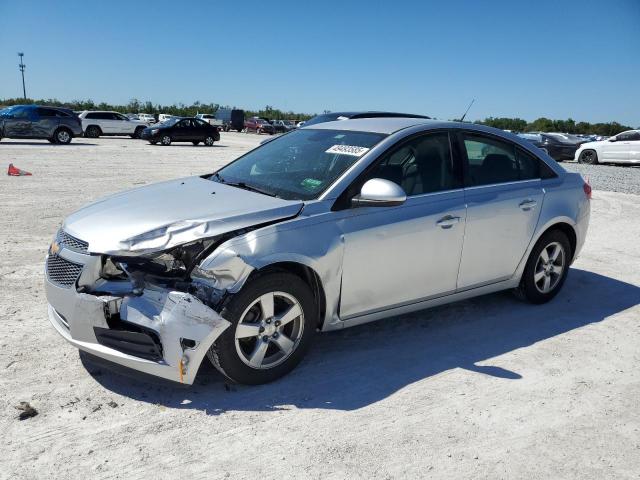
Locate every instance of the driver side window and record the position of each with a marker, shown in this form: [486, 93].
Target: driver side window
[421, 165]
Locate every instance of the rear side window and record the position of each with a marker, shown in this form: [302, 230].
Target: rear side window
[92, 116]
[494, 161]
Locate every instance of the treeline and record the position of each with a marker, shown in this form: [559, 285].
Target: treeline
[548, 125]
[137, 106]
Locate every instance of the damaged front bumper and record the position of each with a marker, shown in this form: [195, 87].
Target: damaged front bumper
[161, 332]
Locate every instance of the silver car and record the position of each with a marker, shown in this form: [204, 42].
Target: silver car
[324, 228]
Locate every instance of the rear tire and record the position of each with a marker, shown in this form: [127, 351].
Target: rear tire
[153, 142]
[62, 136]
[546, 269]
[209, 141]
[589, 157]
[273, 321]
[138, 132]
[92, 132]
[196, 143]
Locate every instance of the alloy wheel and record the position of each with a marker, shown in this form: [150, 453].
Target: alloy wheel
[166, 140]
[269, 330]
[63, 136]
[209, 141]
[549, 267]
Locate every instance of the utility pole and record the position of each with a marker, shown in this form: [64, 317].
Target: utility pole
[22, 67]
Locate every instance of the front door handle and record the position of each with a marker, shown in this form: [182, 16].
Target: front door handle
[527, 205]
[447, 221]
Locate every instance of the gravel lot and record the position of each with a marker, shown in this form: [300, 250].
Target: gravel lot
[612, 178]
[487, 388]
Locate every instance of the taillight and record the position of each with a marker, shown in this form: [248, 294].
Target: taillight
[587, 189]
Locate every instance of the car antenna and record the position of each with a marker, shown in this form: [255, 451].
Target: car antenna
[467, 110]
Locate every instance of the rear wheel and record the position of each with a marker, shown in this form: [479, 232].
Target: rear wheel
[196, 143]
[590, 157]
[92, 132]
[138, 132]
[209, 141]
[153, 142]
[273, 320]
[165, 140]
[62, 136]
[547, 268]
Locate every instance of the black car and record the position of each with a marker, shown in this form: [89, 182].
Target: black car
[191, 130]
[58, 125]
[559, 147]
[330, 117]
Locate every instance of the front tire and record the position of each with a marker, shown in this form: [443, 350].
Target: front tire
[153, 142]
[165, 140]
[590, 157]
[546, 269]
[273, 321]
[62, 136]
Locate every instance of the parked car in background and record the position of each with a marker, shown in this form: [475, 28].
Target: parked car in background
[258, 125]
[300, 124]
[210, 119]
[321, 229]
[147, 118]
[330, 117]
[99, 123]
[232, 119]
[557, 146]
[192, 130]
[621, 148]
[58, 125]
[291, 124]
[280, 126]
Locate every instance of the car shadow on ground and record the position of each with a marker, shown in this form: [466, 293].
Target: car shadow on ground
[352, 368]
[49, 144]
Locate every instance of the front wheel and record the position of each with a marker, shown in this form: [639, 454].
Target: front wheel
[209, 141]
[273, 321]
[590, 157]
[166, 140]
[546, 269]
[153, 142]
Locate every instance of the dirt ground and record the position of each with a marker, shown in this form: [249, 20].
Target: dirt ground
[487, 388]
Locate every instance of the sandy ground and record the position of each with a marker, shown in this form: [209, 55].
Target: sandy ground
[487, 388]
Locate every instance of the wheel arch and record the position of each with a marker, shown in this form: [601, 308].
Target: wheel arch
[306, 274]
[94, 125]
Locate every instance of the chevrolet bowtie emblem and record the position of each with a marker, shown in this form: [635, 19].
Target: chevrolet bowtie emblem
[54, 248]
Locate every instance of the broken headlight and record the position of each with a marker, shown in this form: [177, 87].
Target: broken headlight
[175, 263]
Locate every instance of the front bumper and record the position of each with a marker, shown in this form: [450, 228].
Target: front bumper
[184, 327]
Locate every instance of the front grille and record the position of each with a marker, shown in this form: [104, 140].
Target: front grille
[62, 272]
[72, 243]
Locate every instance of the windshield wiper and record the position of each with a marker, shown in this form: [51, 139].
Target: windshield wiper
[244, 186]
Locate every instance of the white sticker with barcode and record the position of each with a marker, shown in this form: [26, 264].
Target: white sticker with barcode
[348, 150]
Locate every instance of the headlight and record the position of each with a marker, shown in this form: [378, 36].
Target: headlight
[154, 131]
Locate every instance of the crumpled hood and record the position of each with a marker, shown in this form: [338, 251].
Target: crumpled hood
[163, 215]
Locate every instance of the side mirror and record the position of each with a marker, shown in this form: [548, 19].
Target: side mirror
[613, 139]
[379, 192]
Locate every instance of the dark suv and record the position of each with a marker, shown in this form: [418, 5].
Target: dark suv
[58, 125]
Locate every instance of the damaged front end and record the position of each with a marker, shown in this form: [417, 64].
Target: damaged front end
[144, 312]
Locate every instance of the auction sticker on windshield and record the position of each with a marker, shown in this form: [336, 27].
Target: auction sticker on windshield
[352, 150]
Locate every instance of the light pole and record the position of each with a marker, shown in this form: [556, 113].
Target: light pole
[22, 67]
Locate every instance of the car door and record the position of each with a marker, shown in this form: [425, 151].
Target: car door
[182, 131]
[616, 150]
[18, 123]
[634, 147]
[504, 196]
[202, 129]
[48, 121]
[408, 253]
[122, 125]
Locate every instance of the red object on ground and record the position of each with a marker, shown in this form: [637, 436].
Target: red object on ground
[16, 172]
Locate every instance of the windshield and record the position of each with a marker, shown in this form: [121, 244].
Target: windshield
[299, 165]
[169, 122]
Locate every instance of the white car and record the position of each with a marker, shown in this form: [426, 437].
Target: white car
[147, 118]
[97, 123]
[163, 117]
[621, 148]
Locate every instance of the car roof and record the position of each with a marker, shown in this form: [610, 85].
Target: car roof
[386, 125]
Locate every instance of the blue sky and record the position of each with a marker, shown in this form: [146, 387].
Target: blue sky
[571, 58]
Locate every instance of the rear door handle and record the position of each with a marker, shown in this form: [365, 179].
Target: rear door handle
[527, 205]
[447, 221]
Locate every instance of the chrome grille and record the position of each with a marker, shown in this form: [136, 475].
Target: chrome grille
[72, 243]
[62, 272]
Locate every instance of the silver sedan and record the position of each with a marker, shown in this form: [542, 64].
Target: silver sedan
[323, 228]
